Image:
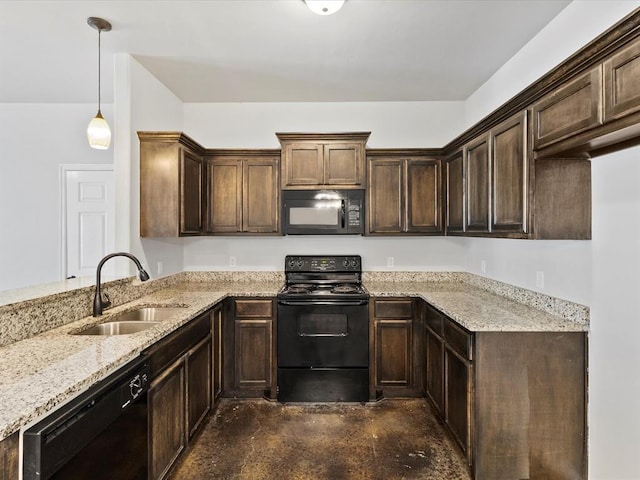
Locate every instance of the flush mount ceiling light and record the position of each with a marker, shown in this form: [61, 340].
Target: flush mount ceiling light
[324, 7]
[98, 131]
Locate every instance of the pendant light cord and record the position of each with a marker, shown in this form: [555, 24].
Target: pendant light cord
[99, 63]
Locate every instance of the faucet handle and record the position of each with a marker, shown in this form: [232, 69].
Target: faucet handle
[106, 300]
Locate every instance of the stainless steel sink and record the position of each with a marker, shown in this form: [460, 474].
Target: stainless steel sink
[132, 321]
[146, 314]
[117, 328]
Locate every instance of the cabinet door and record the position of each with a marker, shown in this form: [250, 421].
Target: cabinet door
[458, 398]
[622, 83]
[477, 185]
[190, 193]
[260, 194]
[166, 403]
[386, 199]
[217, 322]
[434, 369]
[224, 193]
[303, 164]
[343, 164]
[455, 193]
[570, 109]
[509, 168]
[423, 180]
[253, 354]
[393, 359]
[198, 384]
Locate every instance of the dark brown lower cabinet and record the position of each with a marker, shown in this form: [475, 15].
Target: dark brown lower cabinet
[198, 361]
[395, 348]
[458, 398]
[9, 458]
[179, 396]
[250, 349]
[167, 433]
[217, 337]
[514, 401]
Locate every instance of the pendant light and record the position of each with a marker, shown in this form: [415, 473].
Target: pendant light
[324, 7]
[98, 131]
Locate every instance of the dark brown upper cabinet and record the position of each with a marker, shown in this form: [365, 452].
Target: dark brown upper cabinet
[622, 83]
[316, 160]
[509, 170]
[171, 166]
[455, 193]
[477, 184]
[242, 193]
[568, 110]
[404, 193]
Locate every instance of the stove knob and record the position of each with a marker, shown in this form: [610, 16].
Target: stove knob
[345, 263]
[300, 263]
[292, 263]
[354, 262]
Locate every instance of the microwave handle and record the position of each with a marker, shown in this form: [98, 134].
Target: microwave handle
[342, 213]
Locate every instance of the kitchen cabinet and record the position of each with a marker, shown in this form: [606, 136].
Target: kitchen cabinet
[198, 362]
[250, 365]
[167, 425]
[509, 175]
[569, 109]
[515, 402]
[171, 169]
[316, 160]
[9, 457]
[217, 338]
[404, 193]
[621, 77]
[242, 193]
[179, 396]
[477, 188]
[434, 358]
[455, 205]
[396, 348]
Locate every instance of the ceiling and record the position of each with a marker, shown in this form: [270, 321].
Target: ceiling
[266, 50]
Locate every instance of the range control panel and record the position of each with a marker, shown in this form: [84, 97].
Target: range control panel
[307, 263]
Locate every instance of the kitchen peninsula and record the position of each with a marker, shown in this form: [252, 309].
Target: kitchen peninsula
[45, 370]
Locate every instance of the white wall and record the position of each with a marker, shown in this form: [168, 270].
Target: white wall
[143, 103]
[603, 273]
[393, 124]
[36, 139]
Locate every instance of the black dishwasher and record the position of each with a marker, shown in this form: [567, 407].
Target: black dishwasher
[101, 434]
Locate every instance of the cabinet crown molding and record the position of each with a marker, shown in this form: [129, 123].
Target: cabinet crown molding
[171, 137]
[319, 137]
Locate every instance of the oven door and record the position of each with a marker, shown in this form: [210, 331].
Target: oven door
[331, 334]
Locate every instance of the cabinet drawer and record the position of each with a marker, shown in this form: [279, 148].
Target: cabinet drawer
[395, 308]
[458, 339]
[168, 349]
[434, 321]
[253, 308]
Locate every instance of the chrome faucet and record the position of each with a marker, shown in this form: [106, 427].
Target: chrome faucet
[98, 302]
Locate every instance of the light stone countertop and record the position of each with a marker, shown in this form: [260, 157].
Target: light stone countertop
[42, 372]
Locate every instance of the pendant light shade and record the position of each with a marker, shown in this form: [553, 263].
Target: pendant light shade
[98, 131]
[324, 7]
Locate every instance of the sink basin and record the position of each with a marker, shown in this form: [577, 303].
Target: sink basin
[117, 328]
[145, 314]
[132, 321]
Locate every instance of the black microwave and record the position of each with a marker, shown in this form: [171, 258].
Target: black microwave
[323, 212]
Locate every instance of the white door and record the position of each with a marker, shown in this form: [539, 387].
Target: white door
[89, 226]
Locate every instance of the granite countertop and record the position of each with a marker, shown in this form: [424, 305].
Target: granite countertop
[46, 370]
[477, 309]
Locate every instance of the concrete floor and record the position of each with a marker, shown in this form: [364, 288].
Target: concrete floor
[257, 439]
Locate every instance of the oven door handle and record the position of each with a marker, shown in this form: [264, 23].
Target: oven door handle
[338, 303]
